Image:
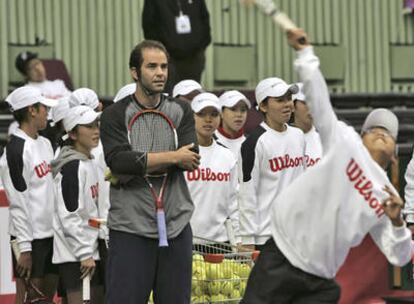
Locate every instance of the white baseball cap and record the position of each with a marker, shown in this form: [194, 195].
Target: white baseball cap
[26, 96]
[205, 100]
[300, 95]
[125, 91]
[185, 87]
[60, 111]
[84, 96]
[382, 118]
[231, 98]
[79, 115]
[273, 87]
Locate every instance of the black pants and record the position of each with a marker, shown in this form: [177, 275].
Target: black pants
[275, 280]
[136, 265]
[187, 68]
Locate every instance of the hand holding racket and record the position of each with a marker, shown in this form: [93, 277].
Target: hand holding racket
[280, 18]
[186, 158]
[297, 39]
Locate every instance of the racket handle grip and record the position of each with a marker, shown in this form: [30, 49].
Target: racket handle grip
[302, 40]
[86, 289]
[162, 229]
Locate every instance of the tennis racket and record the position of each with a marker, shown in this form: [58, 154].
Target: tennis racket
[269, 8]
[153, 131]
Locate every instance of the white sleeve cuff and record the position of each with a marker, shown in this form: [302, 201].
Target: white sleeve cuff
[307, 51]
[400, 232]
[25, 246]
[247, 240]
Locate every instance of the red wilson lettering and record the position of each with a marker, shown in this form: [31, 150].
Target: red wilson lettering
[206, 174]
[95, 191]
[310, 162]
[43, 169]
[364, 186]
[284, 162]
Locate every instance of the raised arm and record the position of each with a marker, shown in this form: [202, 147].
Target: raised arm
[315, 88]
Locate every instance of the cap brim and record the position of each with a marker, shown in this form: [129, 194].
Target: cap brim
[207, 104]
[89, 117]
[49, 102]
[232, 103]
[188, 91]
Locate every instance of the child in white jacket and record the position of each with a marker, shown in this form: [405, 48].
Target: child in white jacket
[213, 185]
[25, 172]
[76, 246]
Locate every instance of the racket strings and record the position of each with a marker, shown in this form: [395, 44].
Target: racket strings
[152, 133]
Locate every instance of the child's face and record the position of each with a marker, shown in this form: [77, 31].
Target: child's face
[278, 109]
[378, 140]
[87, 136]
[235, 117]
[207, 121]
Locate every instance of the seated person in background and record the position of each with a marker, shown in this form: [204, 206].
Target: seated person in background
[32, 68]
[187, 89]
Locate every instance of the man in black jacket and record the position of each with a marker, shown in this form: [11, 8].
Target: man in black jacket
[183, 26]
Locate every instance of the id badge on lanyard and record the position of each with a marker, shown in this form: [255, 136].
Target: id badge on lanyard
[182, 22]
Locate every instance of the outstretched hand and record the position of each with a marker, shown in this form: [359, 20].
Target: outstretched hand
[298, 39]
[393, 206]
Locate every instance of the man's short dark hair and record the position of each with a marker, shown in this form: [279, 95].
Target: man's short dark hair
[22, 115]
[136, 58]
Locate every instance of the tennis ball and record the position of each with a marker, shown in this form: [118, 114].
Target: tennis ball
[235, 294]
[110, 177]
[244, 271]
[242, 288]
[226, 288]
[198, 257]
[214, 287]
[213, 272]
[217, 298]
[227, 271]
[198, 290]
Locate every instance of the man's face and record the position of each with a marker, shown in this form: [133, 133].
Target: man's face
[36, 71]
[154, 70]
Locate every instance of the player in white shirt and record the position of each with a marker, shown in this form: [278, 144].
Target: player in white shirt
[76, 181]
[25, 172]
[351, 196]
[234, 107]
[213, 185]
[303, 120]
[272, 156]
